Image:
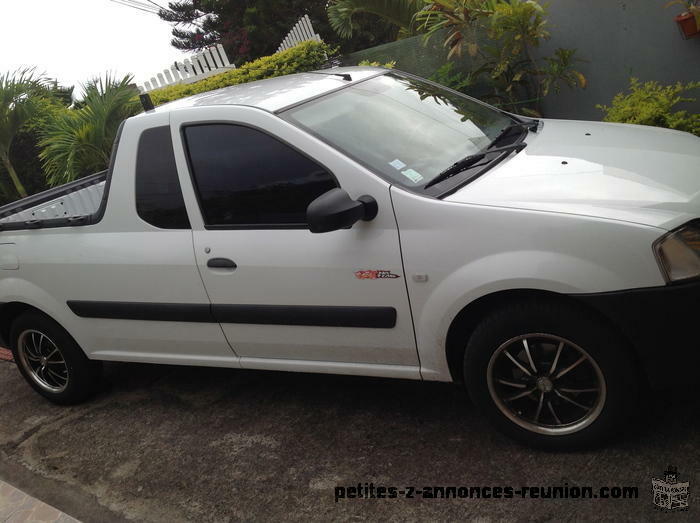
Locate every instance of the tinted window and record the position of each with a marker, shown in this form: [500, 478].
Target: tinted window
[158, 195]
[245, 177]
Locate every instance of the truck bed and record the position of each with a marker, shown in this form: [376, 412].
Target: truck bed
[71, 204]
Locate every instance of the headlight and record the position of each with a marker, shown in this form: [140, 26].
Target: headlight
[678, 253]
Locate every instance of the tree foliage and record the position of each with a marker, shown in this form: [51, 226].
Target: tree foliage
[459, 18]
[249, 29]
[511, 30]
[343, 14]
[19, 92]
[79, 142]
[24, 152]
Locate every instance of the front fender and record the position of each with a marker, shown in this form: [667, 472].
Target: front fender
[456, 253]
[507, 272]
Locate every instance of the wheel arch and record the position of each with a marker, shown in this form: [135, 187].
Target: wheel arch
[470, 316]
[9, 312]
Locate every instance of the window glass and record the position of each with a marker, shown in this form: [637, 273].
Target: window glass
[245, 177]
[403, 128]
[158, 194]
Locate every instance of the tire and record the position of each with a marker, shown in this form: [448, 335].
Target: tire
[39, 345]
[561, 410]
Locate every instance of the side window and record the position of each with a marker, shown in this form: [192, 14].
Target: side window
[247, 178]
[158, 195]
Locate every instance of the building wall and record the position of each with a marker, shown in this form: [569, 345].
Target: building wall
[619, 39]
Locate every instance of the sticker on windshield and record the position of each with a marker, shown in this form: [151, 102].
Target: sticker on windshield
[397, 164]
[412, 175]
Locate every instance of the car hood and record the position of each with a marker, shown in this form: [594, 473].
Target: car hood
[621, 172]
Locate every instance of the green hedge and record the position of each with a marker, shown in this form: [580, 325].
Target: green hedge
[651, 103]
[303, 57]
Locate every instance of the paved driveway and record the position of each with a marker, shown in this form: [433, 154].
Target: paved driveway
[174, 444]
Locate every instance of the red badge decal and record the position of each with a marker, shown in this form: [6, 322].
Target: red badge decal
[375, 275]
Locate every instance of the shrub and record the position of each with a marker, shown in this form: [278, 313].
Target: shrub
[303, 57]
[457, 80]
[518, 80]
[388, 65]
[650, 103]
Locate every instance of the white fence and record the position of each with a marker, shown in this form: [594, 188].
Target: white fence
[213, 60]
[209, 62]
[301, 32]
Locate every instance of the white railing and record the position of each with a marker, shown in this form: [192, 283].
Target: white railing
[301, 32]
[209, 62]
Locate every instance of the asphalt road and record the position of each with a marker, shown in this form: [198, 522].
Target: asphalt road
[188, 444]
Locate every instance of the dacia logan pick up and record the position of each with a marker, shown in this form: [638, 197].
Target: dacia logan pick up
[365, 221]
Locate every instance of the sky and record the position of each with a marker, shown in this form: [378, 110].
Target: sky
[75, 40]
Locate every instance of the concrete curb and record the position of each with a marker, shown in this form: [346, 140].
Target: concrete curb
[16, 506]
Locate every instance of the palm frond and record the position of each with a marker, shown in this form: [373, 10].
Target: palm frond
[79, 142]
[19, 91]
[17, 102]
[396, 12]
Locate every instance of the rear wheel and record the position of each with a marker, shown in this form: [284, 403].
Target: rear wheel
[550, 375]
[51, 361]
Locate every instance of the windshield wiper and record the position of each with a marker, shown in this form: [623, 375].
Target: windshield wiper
[507, 131]
[471, 160]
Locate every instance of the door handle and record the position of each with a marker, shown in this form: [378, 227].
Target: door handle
[221, 263]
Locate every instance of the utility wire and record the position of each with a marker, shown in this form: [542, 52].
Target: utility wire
[141, 7]
[153, 9]
[157, 5]
[140, 3]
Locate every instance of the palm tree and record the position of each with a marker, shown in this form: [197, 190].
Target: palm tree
[79, 141]
[18, 95]
[460, 19]
[396, 12]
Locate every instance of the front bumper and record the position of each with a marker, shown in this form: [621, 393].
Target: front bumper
[662, 324]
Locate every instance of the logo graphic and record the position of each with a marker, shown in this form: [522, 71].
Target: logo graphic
[375, 275]
[669, 493]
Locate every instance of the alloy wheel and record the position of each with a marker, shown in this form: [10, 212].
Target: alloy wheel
[546, 384]
[43, 361]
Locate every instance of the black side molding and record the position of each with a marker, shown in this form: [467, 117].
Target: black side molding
[309, 315]
[120, 310]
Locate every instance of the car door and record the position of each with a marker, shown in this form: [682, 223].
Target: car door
[130, 285]
[287, 298]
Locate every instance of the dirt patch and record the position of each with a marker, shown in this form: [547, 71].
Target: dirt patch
[187, 444]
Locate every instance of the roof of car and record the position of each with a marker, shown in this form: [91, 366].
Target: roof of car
[276, 93]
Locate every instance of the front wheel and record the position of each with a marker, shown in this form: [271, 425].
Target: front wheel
[550, 375]
[51, 361]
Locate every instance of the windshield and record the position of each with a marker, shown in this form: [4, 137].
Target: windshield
[403, 128]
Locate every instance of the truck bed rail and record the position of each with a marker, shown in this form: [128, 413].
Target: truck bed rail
[70, 204]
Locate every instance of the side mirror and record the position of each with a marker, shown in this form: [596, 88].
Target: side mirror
[335, 210]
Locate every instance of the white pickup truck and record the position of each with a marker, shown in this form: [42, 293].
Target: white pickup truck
[365, 221]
